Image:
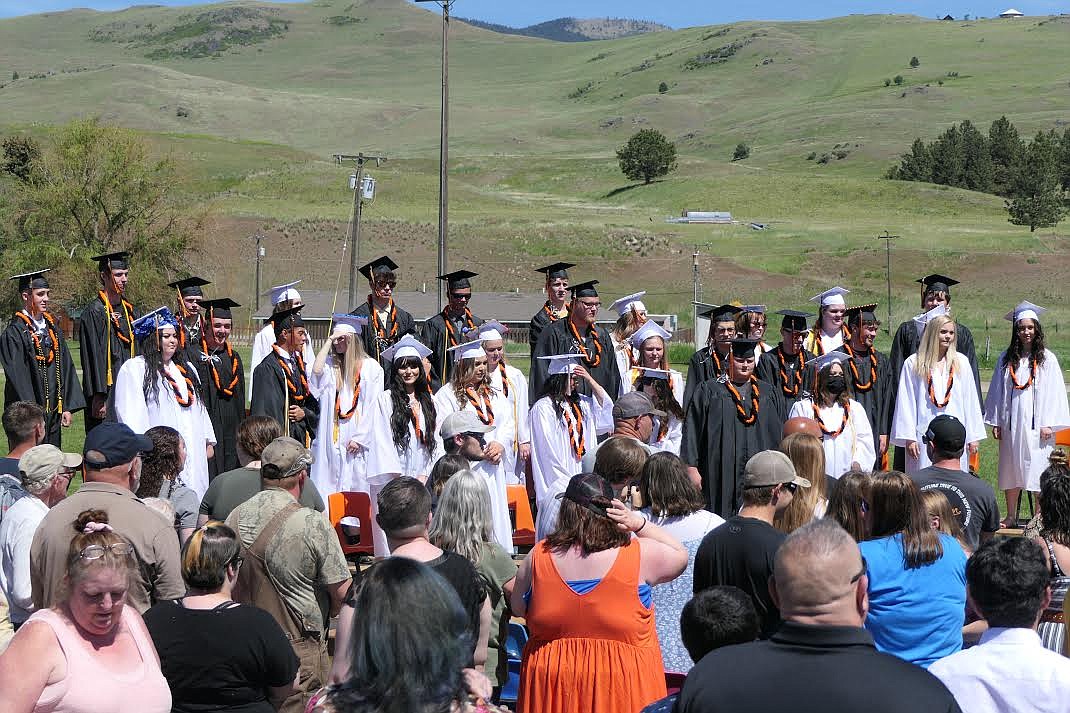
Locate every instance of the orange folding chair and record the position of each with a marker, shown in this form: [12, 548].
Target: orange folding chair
[520, 514]
[352, 504]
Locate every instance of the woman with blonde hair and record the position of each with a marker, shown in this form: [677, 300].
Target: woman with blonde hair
[941, 517]
[937, 380]
[663, 385]
[808, 457]
[632, 315]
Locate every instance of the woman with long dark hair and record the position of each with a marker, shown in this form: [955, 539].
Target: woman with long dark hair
[1026, 405]
[663, 385]
[153, 389]
[1055, 539]
[160, 478]
[849, 503]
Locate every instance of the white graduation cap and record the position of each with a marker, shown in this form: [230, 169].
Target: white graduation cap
[407, 346]
[348, 323]
[923, 319]
[833, 296]
[281, 293]
[468, 350]
[1025, 310]
[648, 330]
[624, 304]
[562, 363]
[827, 359]
[653, 373]
[489, 331]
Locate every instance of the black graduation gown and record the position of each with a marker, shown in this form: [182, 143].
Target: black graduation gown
[189, 348]
[28, 379]
[557, 339]
[717, 443]
[768, 370]
[879, 400]
[93, 333]
[269, 399]
[225, 411]
[702, 367]
[435, 337]
[539, 322]
[374, 344]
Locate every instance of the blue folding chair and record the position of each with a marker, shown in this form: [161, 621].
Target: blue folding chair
[514, 647]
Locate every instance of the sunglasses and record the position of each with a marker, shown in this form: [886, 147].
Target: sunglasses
[459, 296]
[791, 487]
[95, 552]
[478, 436]
[865, 570]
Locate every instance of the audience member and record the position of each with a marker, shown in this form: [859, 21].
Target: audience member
[802, 424]
[216, 654]
[917, 576]
[444, 469]
[942, 518]
[112, 460]
[293, 562]
[673, 503]
[633, 417]
[821, 658]
[161, 507]
[741, 551]
[160, 470]
[585, 593]
[1008, 581]
[808, 456]
[1055, 538]
[849, 503]
[24, 426]
[89, 652]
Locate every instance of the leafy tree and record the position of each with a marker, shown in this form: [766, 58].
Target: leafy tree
[914, 62]
[647, 155]
[19, 153]
[662, 88]
[742, 151]
[898, 80]
[1005, 148]
[1036, 193]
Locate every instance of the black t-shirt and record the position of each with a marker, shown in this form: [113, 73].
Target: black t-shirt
[464, 578]
[740, 553]
[221, 659]
[972, 500]
[9, 466]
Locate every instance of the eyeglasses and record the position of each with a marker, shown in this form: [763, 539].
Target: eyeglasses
[755, 325]
[95, 552]
[459, 296]
[237, 561]
[590, 305]
[384, 285]
[864, 572]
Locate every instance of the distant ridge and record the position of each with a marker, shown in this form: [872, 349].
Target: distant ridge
[570, 29]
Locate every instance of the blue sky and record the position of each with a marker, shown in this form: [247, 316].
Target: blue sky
[676, 13]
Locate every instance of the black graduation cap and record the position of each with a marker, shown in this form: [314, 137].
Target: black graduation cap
[743, 347]
[288, 318]
[862, 313]
[723, 313]
[458, 279]
[219, 307]
[380, 264]
[558, 269]
[32, 280]
[190, 286]
[794, 319]
[113, 261]
[584, 289]
[938, 283]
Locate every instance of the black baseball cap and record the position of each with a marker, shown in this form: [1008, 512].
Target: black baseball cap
[111, 444]
[590, 491]
[946, 433]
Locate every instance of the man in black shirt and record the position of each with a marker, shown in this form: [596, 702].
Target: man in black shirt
[820, 659]
[741, 551]
[972, 500]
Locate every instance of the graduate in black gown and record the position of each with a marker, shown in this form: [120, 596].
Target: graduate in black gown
[870, 374]
[711, 361]
[280, 387]
[190, 316]
[728, 420]
[223, 382]
[783, 366]
[387, 323]
[446, 329]
[106, 336]
[37, 364]
[579, 334]
[556, 305]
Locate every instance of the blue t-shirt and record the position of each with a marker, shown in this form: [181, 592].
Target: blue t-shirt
[916, 614]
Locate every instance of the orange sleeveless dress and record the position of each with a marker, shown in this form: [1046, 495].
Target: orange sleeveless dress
[596, 652]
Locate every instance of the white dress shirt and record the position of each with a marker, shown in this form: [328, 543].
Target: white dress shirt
[16, 535]
[1010, 671]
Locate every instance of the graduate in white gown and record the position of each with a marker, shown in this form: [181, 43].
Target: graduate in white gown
[935, 380]
[513, 385]
[846, 433]
[169, 398]
[469, 390]
[631, 315]
[1026, 405]
[282, 297]
[663, 385]
[346, 382]
[565, 424]
[829, 332]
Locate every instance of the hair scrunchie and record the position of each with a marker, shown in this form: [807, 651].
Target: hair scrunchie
[97, 527]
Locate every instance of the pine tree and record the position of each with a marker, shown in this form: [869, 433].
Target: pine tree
[977, 168]
[1064, 160]
[1005, 148]
[1036, 191]
[916, 165]
[949, 159]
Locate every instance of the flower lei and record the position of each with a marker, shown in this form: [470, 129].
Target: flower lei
[575, 429]
[843, 424]
[505, 379]
[741, 414]
[392, 318]
[228, 390]
[451, 332]
[339, 415]
[796, 370]
[947, 393]
[487, 417]
[859, 386]
[597, 359]
[551, 313]
[290, 385]
[1032, 375]
[188, 401]
[44, 361]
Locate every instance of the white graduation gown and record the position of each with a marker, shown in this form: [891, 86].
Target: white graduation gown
[854, 445]
[262, 347]
[334, 469]
[671, 442]
[1021, 414]
[914, 410]
[504, 432]
[552, 457]
[191, 421]
[623, 355]
[518, 400]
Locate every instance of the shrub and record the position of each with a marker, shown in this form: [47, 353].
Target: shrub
[914, 62]
[662, 88]
[898, 79]
[811, 156]
[887, 82]
[647, 155]
[14, 76]
[580, 91]
[742, 151]
[825, 158]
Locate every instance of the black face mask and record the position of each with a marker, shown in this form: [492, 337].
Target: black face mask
[837, 384]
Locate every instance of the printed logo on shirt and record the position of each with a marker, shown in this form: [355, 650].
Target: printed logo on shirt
[960, 504]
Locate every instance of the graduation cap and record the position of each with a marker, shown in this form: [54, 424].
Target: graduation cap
[827, 359]
[649, 329]
[558, 269]
[288, 318]
[743, 347]
[561, 363]
[113, 261]
[458, 279]
[219, 308]
[190, 286]
[584, 289]
[630, 302]
[794, 319]
[662, 374]
[378, 265]
[407, 346]
[32, 280]
[468, 350]
[1025, 310]
[281, 293]
[937, 283]
[348, 323]
[723, 313]
[153, 322]
[923, 319]
[832, 296]
[863, 313]
[758, 309]
[489, 331]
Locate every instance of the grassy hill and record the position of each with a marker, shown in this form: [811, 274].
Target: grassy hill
[571, 29]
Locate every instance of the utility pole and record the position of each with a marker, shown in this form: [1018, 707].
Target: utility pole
[888, 272]
[353, 236]
[259, 259]
[694, 284]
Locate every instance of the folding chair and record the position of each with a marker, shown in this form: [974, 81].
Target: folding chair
[520, 514]
[352, 504]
